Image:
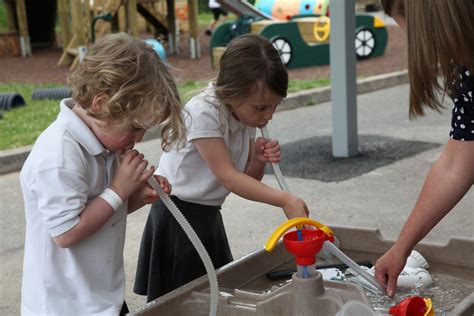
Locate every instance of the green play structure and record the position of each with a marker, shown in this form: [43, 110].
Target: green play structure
[302, 41]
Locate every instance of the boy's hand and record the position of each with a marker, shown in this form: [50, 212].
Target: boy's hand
[131, 174]
[267, 151]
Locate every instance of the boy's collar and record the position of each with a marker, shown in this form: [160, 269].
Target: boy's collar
[79, 129]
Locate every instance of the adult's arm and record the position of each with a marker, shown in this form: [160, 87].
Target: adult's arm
[449, 179]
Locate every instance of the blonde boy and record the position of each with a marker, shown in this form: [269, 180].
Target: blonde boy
[77, 194]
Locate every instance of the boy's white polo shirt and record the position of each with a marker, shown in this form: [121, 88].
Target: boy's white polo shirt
[66, 168]
[186, 170]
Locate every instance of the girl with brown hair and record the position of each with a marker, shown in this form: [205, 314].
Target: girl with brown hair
[440, 43]
[221, 156]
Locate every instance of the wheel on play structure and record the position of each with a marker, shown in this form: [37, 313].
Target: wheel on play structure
[364, 43]
[283, 46]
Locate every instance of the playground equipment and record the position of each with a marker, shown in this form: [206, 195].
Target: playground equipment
[10, 100]
[243, 7]
[57, 93]
[245, 288]
[157, 47]
[301, 41]
[286, 10]
[82, 21]
[16, 41]
[93, 19]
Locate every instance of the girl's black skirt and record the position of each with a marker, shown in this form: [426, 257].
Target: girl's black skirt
[167, 258]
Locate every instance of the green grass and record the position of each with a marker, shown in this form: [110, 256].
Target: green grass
[204, 18]
[298, 84]
[3, 17]
[22, 125]
[188, 89]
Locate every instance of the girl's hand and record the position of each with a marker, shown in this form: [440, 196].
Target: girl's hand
[131, 174]
[165, 185]
[295, 207]
[267, 151]
[146, 194]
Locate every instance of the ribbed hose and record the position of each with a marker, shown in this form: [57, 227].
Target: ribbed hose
[194, 238]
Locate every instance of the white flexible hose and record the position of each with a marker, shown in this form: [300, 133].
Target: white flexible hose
[194, 238]
[354, 266]
[276, 167]
[327, 244]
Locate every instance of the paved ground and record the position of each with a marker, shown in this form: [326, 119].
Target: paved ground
[364, 196]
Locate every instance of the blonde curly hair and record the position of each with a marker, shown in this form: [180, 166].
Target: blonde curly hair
[140, 91]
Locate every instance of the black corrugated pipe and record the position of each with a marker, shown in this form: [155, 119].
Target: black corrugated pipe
[52, 93]
[10, 100]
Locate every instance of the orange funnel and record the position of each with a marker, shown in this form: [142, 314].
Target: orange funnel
[304, 250]
[411, 306]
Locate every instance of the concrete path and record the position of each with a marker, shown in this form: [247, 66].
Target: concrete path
[380, 198]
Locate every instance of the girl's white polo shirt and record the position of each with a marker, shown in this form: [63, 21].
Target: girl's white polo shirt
[186, 170]
[66, 168]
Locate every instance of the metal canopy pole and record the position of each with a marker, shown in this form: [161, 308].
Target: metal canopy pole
[23, 28]
[173, 45]
[343, 79]
[194, 47]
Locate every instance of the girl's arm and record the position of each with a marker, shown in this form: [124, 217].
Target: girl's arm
[449, 179]
[132, 174]
[216, 155]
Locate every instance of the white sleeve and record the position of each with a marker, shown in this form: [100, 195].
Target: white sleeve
[203, 122]
[62, 196]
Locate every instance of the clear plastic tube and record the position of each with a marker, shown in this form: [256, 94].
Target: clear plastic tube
[327, 244]
[306, 272]
[276, 167]
[194, 238]
[354, 266]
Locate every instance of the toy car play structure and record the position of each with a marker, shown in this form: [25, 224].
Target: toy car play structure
[302, 40]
